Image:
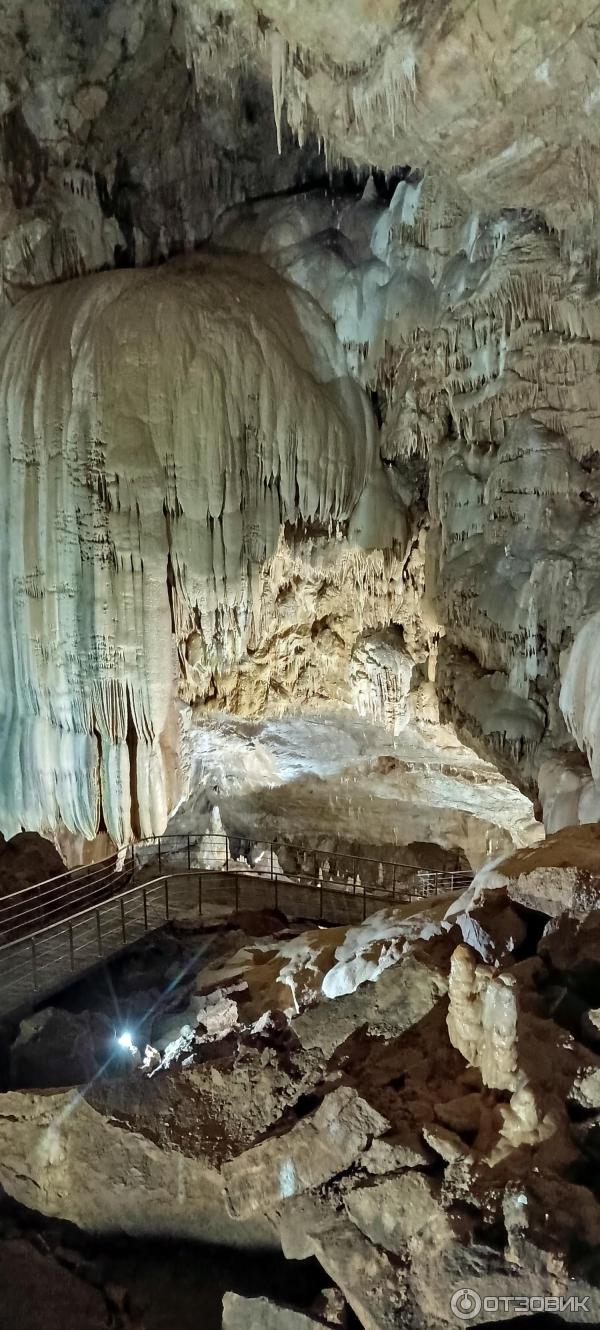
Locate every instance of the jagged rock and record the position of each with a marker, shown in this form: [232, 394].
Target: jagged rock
[60, 1156]
[330, 1307]
[462, 1114]
[259, 923]
[364, 1274]
[261, 1314]
[25, 859]
[399, 1212]
[556, 891]
[572, 946]
[402, 996]
[39, 1293]
[305, 1157]
[586, 1089]
[56, 1048]
[495, 931]
[590, 1024]
[389, 1154]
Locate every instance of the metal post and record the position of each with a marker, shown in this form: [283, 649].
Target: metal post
[321, 900]
[71, 948]
[199, 893]
[166, 898]
[271, 860]
[133, 863]
[98, 932]
[393, 883]
[316, 872]
[276, 892]
[189, 854]
[34, 966]
[354, 872]
[159, 854]
[227, 854]
[365, 897]
[145, 901]
[123, 928]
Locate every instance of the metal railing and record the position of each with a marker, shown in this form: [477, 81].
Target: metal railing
[56, 898]
[57, 929]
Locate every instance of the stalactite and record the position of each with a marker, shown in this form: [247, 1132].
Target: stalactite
[145, 478]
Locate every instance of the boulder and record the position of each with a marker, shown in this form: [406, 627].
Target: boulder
[398, 1212]
[57, 1048]
[261, 1314]
[556, 891]
[307, 1156]
[25, 859]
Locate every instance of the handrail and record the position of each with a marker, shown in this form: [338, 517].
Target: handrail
[59, 877]
[120, 895]
[53, 899]
[227, 840]
[51, 956]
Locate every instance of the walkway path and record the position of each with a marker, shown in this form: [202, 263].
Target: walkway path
[57, 930]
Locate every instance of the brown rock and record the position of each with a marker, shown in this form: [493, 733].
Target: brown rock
[461, 1114]
[556, 891]
[396, 1213]
[305, 1157]
[262, 1314]
[389, 1154]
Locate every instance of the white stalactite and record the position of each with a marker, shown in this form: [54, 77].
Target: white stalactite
[157, 428]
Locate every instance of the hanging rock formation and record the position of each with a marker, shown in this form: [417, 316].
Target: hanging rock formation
[164, 427]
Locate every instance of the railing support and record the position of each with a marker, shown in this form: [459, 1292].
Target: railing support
[34, 966]
[86, 892]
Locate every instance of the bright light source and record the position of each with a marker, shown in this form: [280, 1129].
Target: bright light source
[126, 1041]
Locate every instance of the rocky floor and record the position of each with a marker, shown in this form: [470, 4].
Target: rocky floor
[409, 1108]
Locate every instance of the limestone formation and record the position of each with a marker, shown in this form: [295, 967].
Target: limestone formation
[121, 555]
[411, 1147]
[300, 515]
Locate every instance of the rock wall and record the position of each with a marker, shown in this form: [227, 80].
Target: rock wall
[478, 337]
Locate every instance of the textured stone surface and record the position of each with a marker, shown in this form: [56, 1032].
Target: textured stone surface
[312, 1153]
[262, 1314]
[461, 285]
[407, 1167]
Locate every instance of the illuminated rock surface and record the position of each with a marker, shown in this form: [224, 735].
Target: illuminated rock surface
[378, 1098]
[299, 513]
